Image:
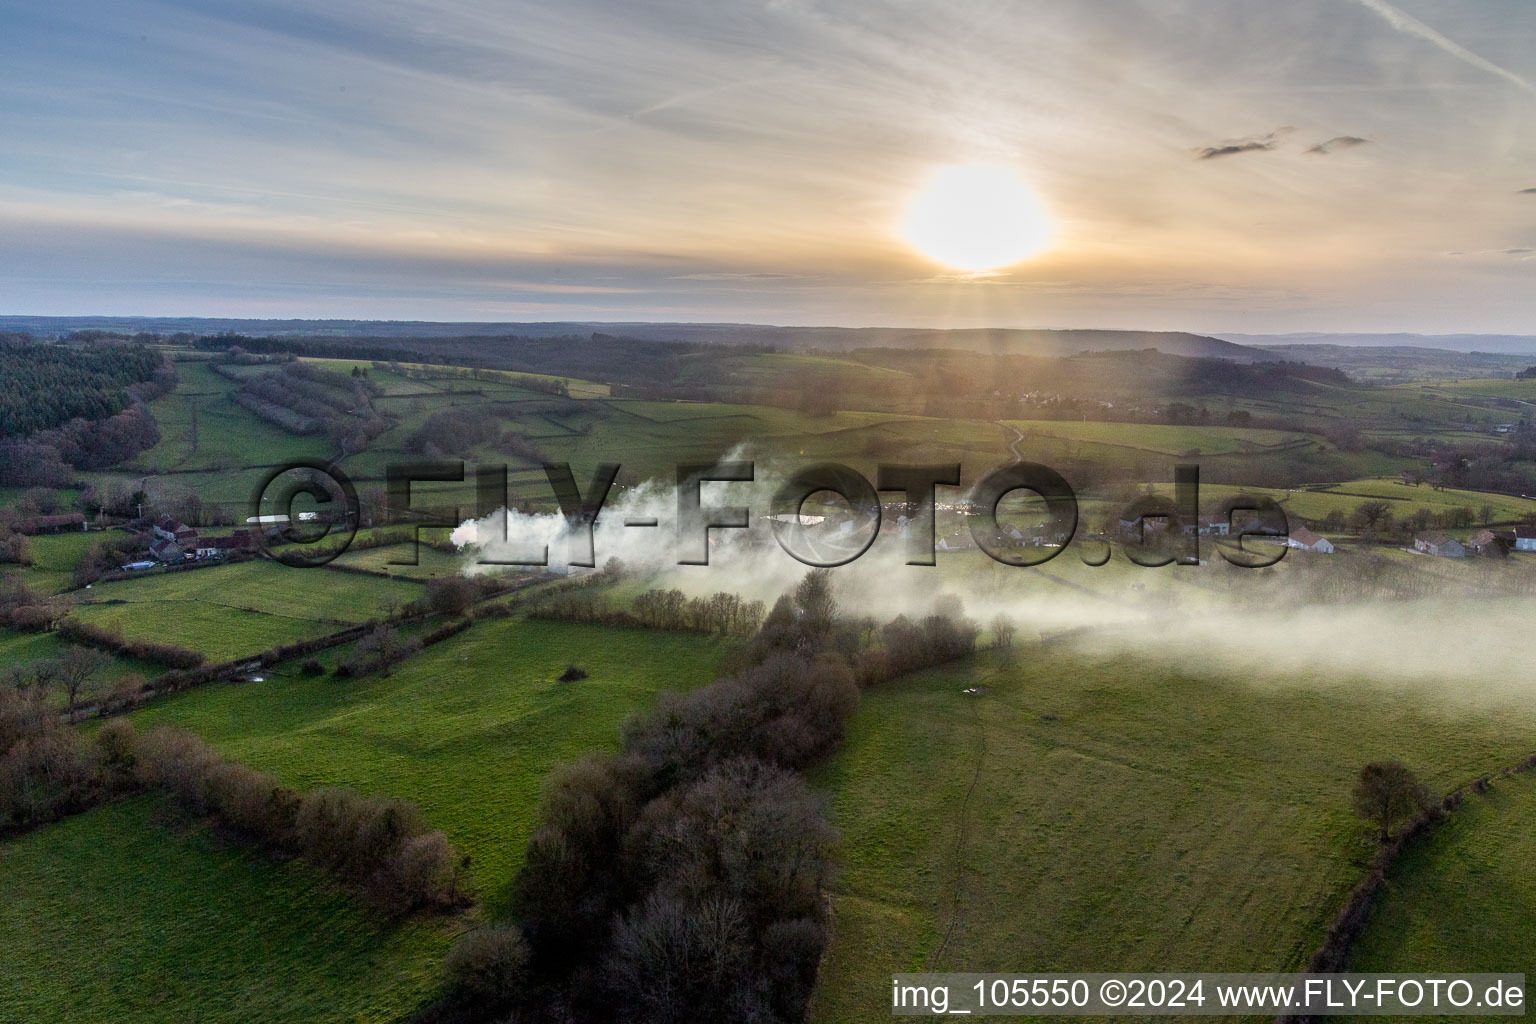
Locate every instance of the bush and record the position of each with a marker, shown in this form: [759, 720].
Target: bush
[79, 632]
[381, 845]
[312, 667]
[488, 965]
[46, 769]
[572, 673]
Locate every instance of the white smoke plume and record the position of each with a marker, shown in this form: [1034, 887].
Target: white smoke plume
[1459, 643]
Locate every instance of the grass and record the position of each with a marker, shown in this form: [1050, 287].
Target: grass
[430, 562]
[1123, 817]
[126, 913]
[54, 557]
[265, 586]
[221, 633]
[1345, 497]
[1505, 506]
[1463, 900]
[1166, 440]
[230, 611]
[468, 729]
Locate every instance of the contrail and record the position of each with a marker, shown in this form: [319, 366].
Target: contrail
[1414, 27]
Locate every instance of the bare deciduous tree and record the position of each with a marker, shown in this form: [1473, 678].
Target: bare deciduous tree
[1386, 792]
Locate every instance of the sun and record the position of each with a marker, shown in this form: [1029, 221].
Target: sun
[976, 217]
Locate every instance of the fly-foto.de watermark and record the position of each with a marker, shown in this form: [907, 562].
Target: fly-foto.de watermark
[1153, 529]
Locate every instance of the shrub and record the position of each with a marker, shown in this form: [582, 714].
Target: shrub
[381, 845]
[125, 691]
[312, 667]
[488, 965]
[572, 673]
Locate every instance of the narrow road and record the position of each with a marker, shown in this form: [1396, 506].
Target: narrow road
[1013, 446]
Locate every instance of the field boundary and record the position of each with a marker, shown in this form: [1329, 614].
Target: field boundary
[1333, 955]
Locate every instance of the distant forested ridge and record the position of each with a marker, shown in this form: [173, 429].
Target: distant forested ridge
[46, 386]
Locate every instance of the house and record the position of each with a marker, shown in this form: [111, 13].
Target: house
[1209, 526]
[1304, 539]
[163, 550]
[1525, 538]
[1437, 543]
[166, 528]
[52, 524]
[1487, 542]
[1136, 529]
[222, 547]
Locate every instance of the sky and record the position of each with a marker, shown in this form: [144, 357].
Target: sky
[1205, 165]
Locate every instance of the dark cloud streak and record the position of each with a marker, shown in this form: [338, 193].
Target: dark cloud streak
[1232, 147]
[1338, 142]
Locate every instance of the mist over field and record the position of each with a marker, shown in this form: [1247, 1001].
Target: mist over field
[1307, 622]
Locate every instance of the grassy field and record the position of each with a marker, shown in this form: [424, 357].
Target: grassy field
[1345, 497]
[126, 913]
[1463, 900]
[229, 611]
[468, 729]
[1504, 506]
[54, 557]
[430, 562]
[264, 586]
[1208, 820]
[1167, 440]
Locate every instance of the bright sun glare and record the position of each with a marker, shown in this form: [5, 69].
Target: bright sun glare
[976, 217]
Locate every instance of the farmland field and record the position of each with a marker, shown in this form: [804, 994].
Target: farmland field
[54, 557]
[1462, 900]
[468, 729]
[1208, 820]
[229, 611]
[129, 913]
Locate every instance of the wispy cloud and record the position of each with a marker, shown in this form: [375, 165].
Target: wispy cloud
[1404, 22]
[1337, 142]
[1526, 192]
[1252, 144]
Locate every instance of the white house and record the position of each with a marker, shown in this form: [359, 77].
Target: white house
[1304, 539]
[1525, 538]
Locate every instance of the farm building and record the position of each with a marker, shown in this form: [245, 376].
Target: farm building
[222, 547]
[1136, 528]
[1525, 538]
[52, 524]
[1437, 543]
[1304, 539]
[163, 550]
[167, 529]
[1209, 526]
[1489, 542]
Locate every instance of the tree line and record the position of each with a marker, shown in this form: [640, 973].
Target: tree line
[685, 876]
[383, 848]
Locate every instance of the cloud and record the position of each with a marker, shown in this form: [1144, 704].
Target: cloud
[1337, 142]
[1232, 147]
[1414, 27]
[1526, 192]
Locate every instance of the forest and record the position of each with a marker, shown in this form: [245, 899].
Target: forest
[46, 386]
